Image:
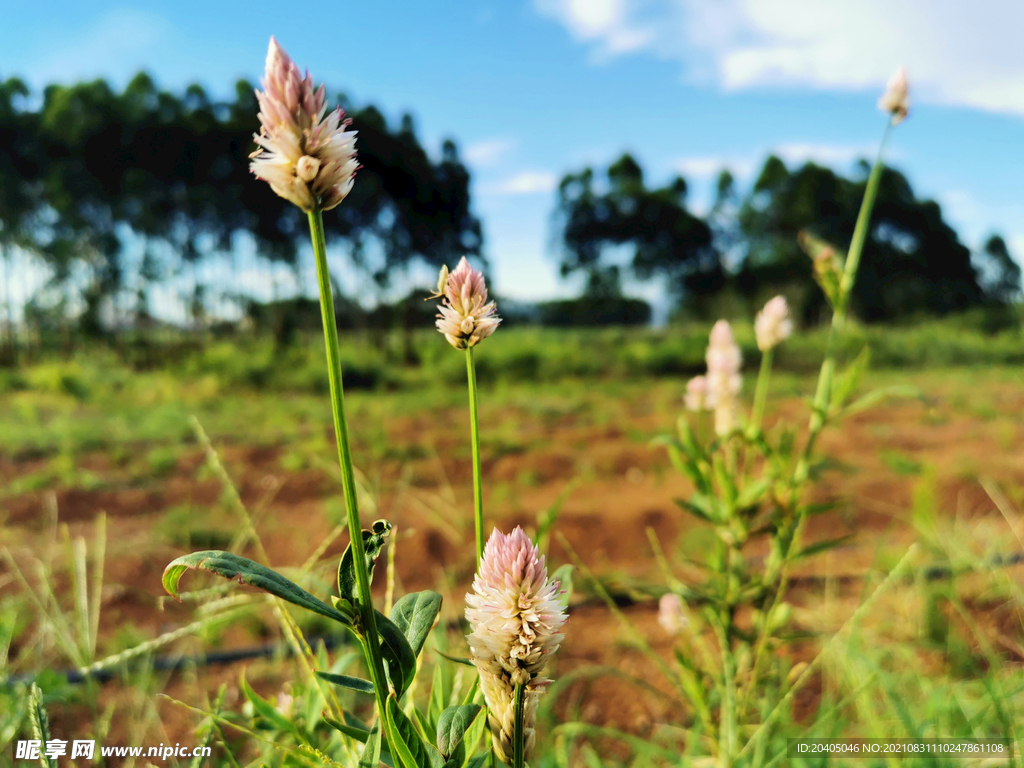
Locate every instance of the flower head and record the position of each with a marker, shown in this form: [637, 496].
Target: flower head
[516, 618]
[696, 393]
[670, 613]
[464, 317]
[896, 99]
[305, 155]
[723, 377]
[773, 324]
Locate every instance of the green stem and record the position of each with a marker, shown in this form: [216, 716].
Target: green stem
[519, 734]
[822, 396]
[368, 622]
[727, 741]
[761, 391]
[474, 426]
[819, 410]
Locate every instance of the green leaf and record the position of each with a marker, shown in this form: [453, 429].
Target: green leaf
[359, 734]
[371, 754]
[414, 614]
[822, 546]
[246, 571]
[564, 578]
[373, 542]
[878, 395]
[474, 762]
[753, 493]
[439, 695]
[456, 659]
[848, 381]
[726, 484]
[268, 712]
[451, 727]
[345, 681]
[40, 725]
[698, 505]
[400, 661]
[409, 747]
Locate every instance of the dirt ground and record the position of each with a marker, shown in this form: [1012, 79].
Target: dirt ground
[616, 486]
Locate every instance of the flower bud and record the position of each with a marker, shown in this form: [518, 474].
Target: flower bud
[772, 324]
[896, 99]
[723, 377]
[671, 615]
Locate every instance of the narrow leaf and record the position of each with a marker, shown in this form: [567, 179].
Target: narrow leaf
[358, 734]
[439, 695]
[698, 510]
[246, 571]
[822, 546]
[456, 659]
[269, 713]
[414, 614]
[346, 681]
[753, 493]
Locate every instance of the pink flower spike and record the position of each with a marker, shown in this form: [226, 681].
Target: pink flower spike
[307, 158]
[464, 318]
[515, 618]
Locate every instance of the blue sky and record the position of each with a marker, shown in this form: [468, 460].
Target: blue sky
[532, 89]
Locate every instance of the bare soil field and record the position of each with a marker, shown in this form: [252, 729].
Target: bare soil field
[595, 455]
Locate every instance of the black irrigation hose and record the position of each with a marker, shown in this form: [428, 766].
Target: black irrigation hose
[622, 599]
[178, 663]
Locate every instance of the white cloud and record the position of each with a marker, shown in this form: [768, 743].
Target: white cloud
[957, 53]
[709, 166]
[523, 183]
[489, 152]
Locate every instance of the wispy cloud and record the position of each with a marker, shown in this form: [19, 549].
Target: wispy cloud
[965, 54]
[489, 152]
[523, 183]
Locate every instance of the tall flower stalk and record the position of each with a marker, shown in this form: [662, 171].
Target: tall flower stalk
[311, 161]
[465, 317]
[748, 500]
[895, 101]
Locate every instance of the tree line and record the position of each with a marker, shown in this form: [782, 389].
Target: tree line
[86, 171]
[747, 249]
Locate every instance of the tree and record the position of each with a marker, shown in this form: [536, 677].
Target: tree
[912, 262]
[666, 239]
[1001, 273]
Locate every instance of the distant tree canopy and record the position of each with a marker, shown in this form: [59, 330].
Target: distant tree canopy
[665, 238]
[913, 261]
[90, 164]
